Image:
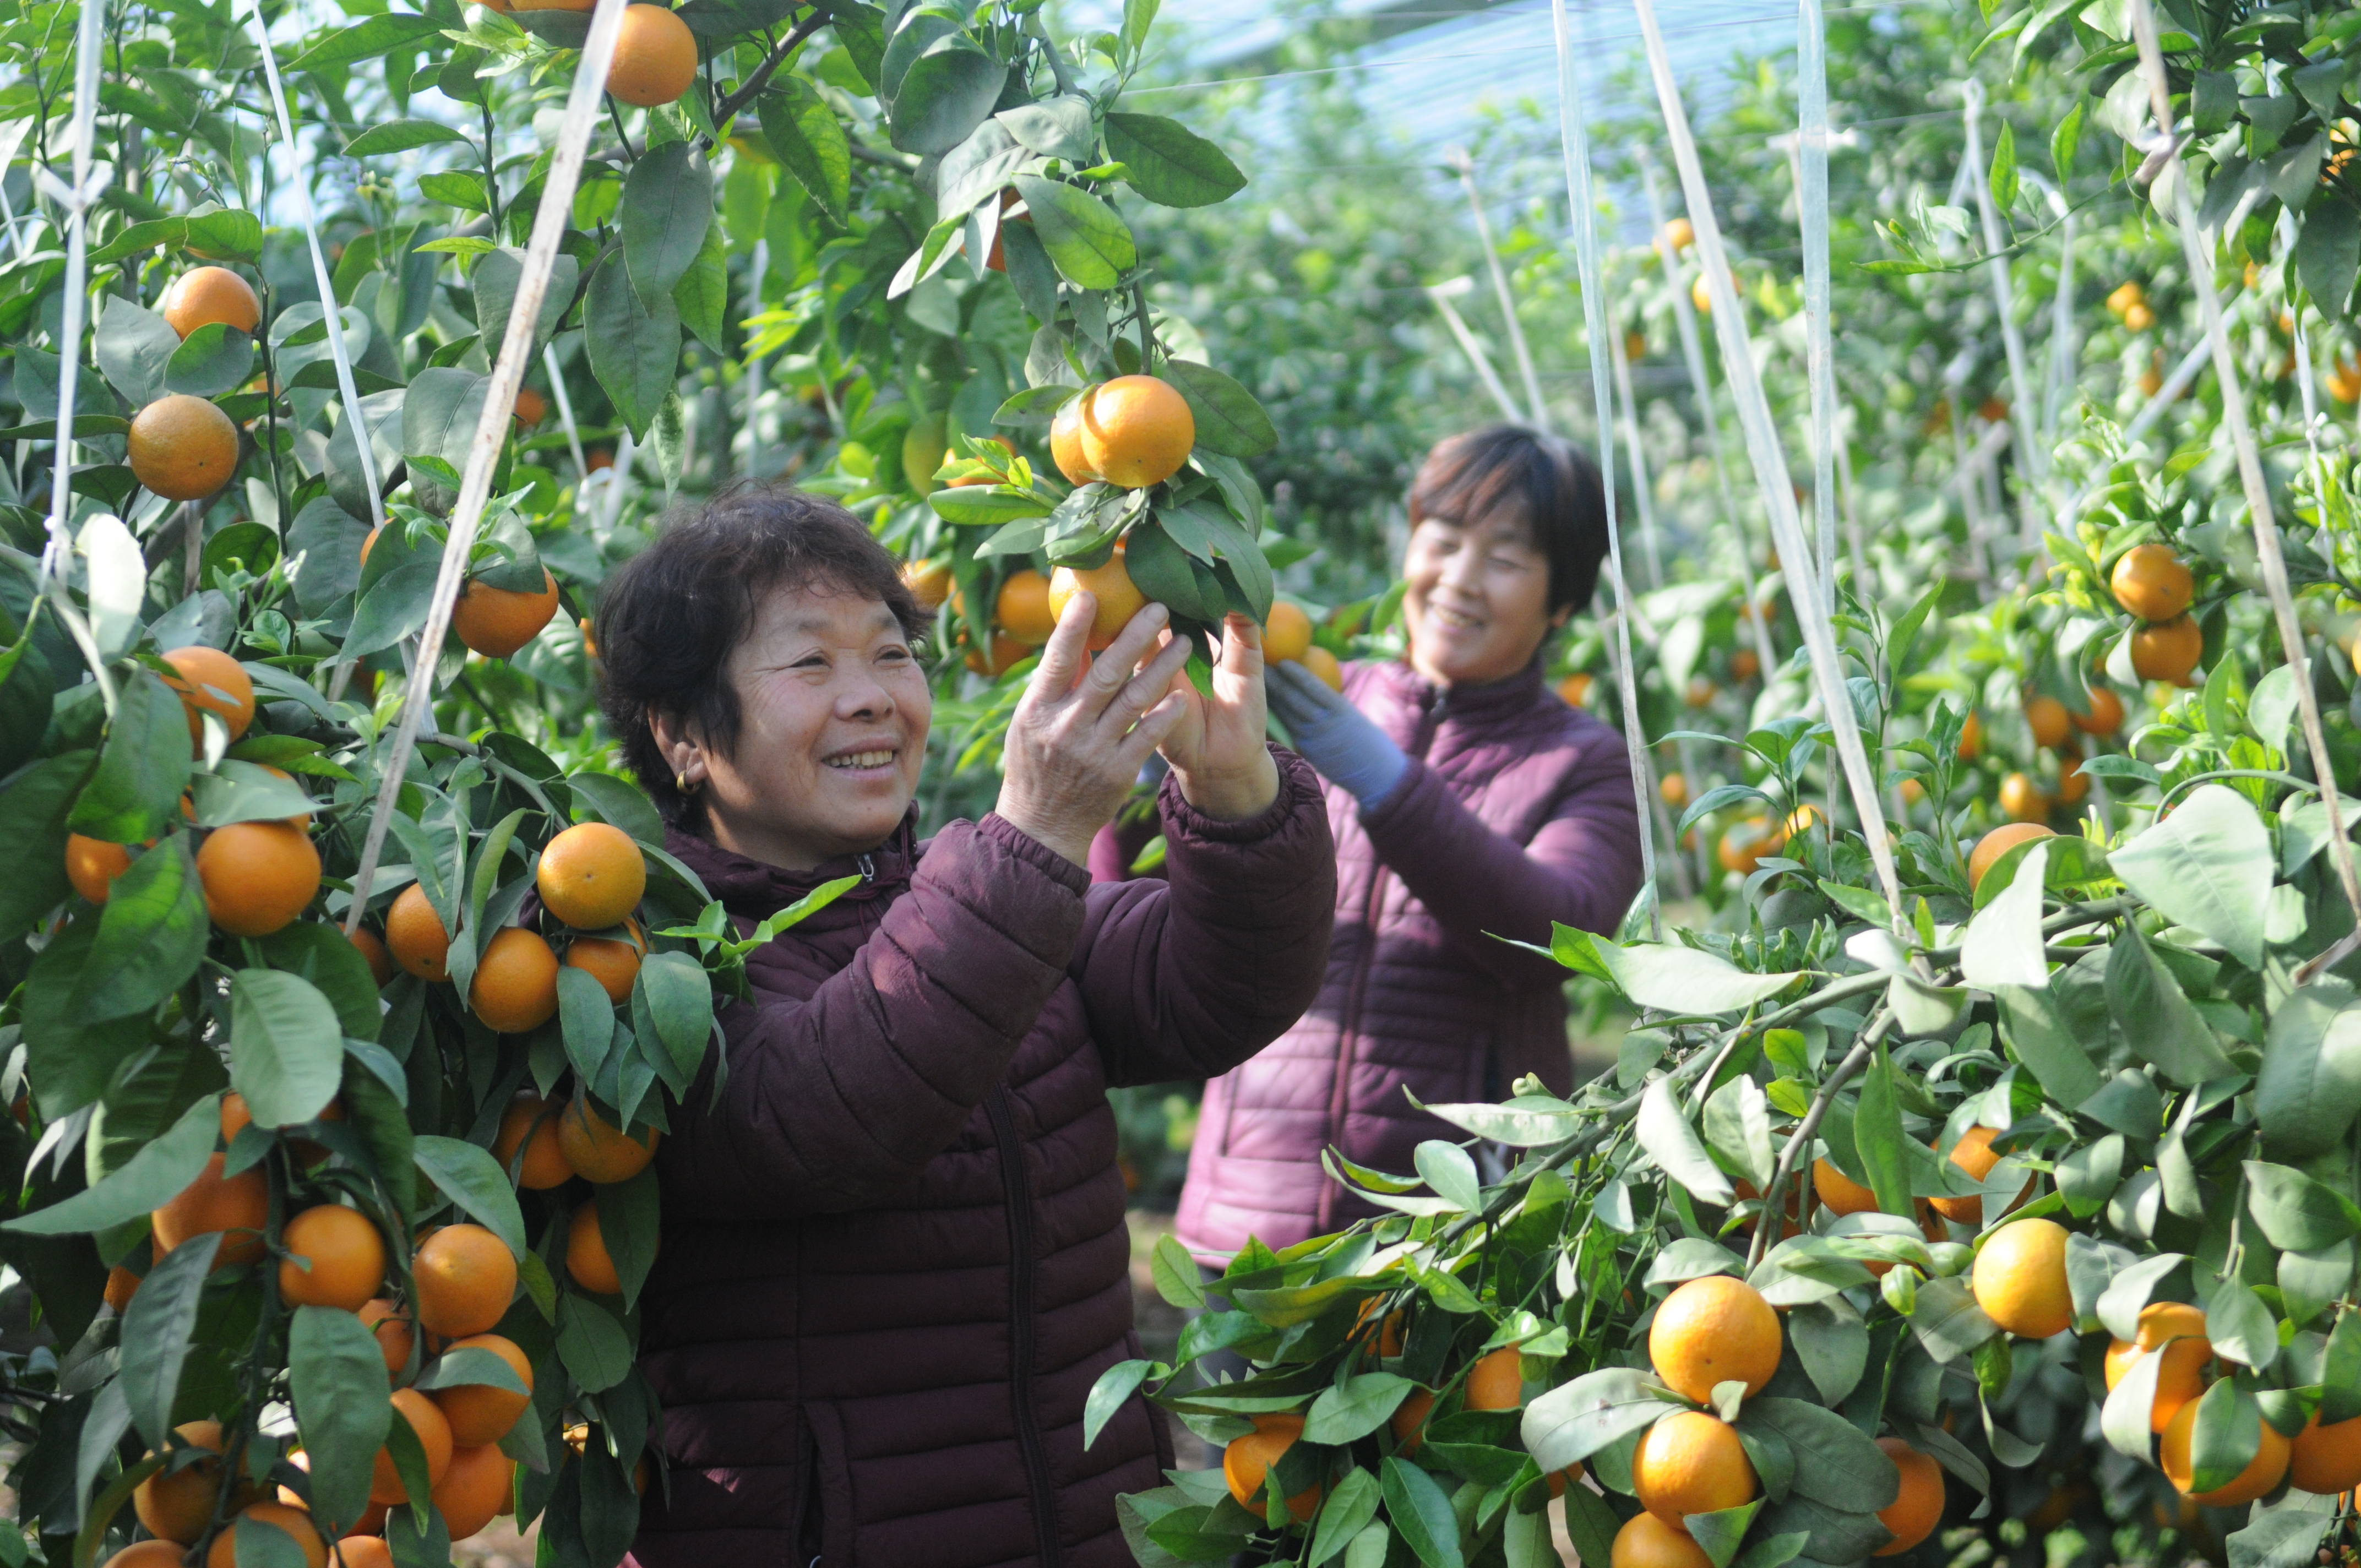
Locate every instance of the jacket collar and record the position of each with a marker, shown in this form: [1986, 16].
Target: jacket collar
[756, 888]
[1468, 702]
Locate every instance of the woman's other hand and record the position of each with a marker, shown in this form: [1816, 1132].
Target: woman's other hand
[1216, 750]
[1336, 738]
[1085, 726]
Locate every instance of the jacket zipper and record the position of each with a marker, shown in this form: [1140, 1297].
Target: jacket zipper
[1018, 1194]
[1348, 1034]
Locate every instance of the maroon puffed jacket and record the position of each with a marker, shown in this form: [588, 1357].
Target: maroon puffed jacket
[1516, 811]
[893, 1257]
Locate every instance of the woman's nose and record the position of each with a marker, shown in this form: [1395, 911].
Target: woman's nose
[863, 696]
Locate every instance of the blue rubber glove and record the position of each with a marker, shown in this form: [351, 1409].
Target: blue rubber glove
[1336, 736]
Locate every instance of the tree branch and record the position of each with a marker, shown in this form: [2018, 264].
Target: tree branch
[753, 84]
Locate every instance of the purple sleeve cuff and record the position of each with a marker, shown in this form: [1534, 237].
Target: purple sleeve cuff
[1033, 853]
[1297, 783]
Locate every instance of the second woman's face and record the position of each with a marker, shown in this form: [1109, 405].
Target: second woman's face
[1477, 600]
[835, 713]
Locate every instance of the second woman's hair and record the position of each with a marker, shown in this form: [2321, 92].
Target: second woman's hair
[1544, 482]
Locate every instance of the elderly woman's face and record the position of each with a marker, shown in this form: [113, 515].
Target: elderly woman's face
[835, 715]
[1477, 602]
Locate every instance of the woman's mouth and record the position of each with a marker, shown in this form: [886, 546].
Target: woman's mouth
[864, 760]
[1457, 621]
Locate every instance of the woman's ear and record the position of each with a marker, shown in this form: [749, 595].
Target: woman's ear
[1564, 613]
[682, 753]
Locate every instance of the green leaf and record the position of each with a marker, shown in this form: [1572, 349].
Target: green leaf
[1420, 1511]
[439, 415]
[942, 96]
[586, 1020]
[1359, 1407]
[1835, 1463]
[1720, 1532]
[2310, 1087]
[1832, 1343]
[635, 348]
[2036, 1032]
[2156, 1019]
[628, 1219]
[471, 1366]
[1663, 1131]
[702, 295]
[1114, 1389]
[1169, 163]
[667, 207]
[680, 999]
[33, 810]
[2295, 1211]
[2328, 252]
[1177, 1277]
[214, 359]
[2228, 1434]
[1879, 1138]
[1229, 420]
[2340, 1398]
[1056, 127]
[157, 1327]
[2065, 139]
[1347, 1511]
[148, 1179]
[151, 934]
[1090, 246]
[2207, 866]
[143, 766]
[393, 608]
[2003, 167]
[286, 1045]
[1574, 1420]
[336, 1373]
[473, 1180]
[323, 955]
[366, 40]
[133, 345]
[1682, 980]
[495, 279]
[591, 1344]
[400, 136]
[809, 142]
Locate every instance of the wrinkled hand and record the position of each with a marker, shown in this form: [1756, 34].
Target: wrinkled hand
[1216, 750]
[1336, 738]
[1085, 726]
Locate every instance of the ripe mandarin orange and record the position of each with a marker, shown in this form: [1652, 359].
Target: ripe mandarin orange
[1247, 1461]
[1408, 1422]
[515, 985]
[1998, 842]
[1647, 1542]
[532, 407]
[481, 1412]
[390, 1326]
[2177, 1332]
[182, 448]
[1023, 610]
[209, 681]
[591, 876]
[2151, 582]
[495, 622]
[178, 1505]
[1494, 1383]
[370, 1551]
[204, 295]
[239, 1207]
[1679, 235]
[1574, 690]
[2019, 1278]
[1286, 633]
[1972, 738]
[381, 962]
[1118, 598]
[121, 1286]
[1691, 1462]
[1974, 1154]
[1136, 431]
[2168, 651]
[612, 961]
[148, 1554]
[345, 1254]
[596, 1149]
[414, 933]
[1913, 1515]
[296, 1523]
[1715, 1330]
[1673, 790]
[2022, 800]
[655, 57]
[2074, 783]
[1323, 664]
[1066, 443]
[2326, 1459]
[93, 864]
[2106, 715]
[258, 876]
[433, 1435]
[544, 1164]
[475, 1489]
[1005, 654]
[2262, 1473]
[586, 1257]
[465, 1278]
[1745, 665]
[2050, 721]
[1840, 1192]
[930, 583]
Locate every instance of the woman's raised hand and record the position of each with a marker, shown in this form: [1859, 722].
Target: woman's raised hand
[1217, 751]
[1085, 726]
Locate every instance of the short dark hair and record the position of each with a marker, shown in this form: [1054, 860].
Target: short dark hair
[1545, 482]
[673, 615]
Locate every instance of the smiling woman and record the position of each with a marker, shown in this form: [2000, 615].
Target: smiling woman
[893, 1243]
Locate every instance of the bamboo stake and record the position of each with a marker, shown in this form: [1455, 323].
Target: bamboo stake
[1442, 294]
[1465, 167]
[1812, 200]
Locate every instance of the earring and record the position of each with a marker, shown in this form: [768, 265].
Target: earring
[680, 782]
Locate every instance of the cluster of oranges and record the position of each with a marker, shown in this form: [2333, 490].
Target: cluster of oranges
[1132, 431]
[2128, 304]
[2155, 585]
[1745, 846]
[2023, 798]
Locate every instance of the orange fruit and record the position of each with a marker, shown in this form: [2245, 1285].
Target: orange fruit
[930, 583]
[1066, 443]
[465, 1278]
[1914, 1513]
[1679, 235]
[2022, 800]
[433, 1435]
[1971, 739]
[236, 1116]
[1287, 634]
[532, 407]
[1714, 1329]
[1647, 1542]
[2124, 296]
[2106, 715]
[1006, 652]
[1494, 1383]
[1574, 690]
[495, 622]
[347, 1258]
[479, 1412]
[239, 1207]
[414, 933]
[93, 864]
[177, 1505]
[1390, 1328]
[1247, 1461]
[1672, 789]
[586, 1257]
[1743, 848]
[148, 1554]
[1023, 610]
[1408, 1422]
[1841, 1192]
[613, 963]
[2326, 1459]
[2049, 721]
[2261, 1475]
[296, 1522]
[390, 1326]
[1691, 1462]
[1700, 692]
[368, 1551]
[2168, 651]
[2151, 582]
[2139, 318]
[2072, 782]
[591, 876]
[1118, 597]
[2019, 1278]
[209, 681]
[209, 294]
[381, 962]
[655, 57]
[182, 448]
[1135, 431]
[1974, 1154]
[1998, 842]
[121, 1286]
[476, 1488]
[2179, 1332]
[1701, 294]
[515, 987]
[258, 876]
[544, 1163]
[1745, 665]
[597, 1150]
[1323, 664]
